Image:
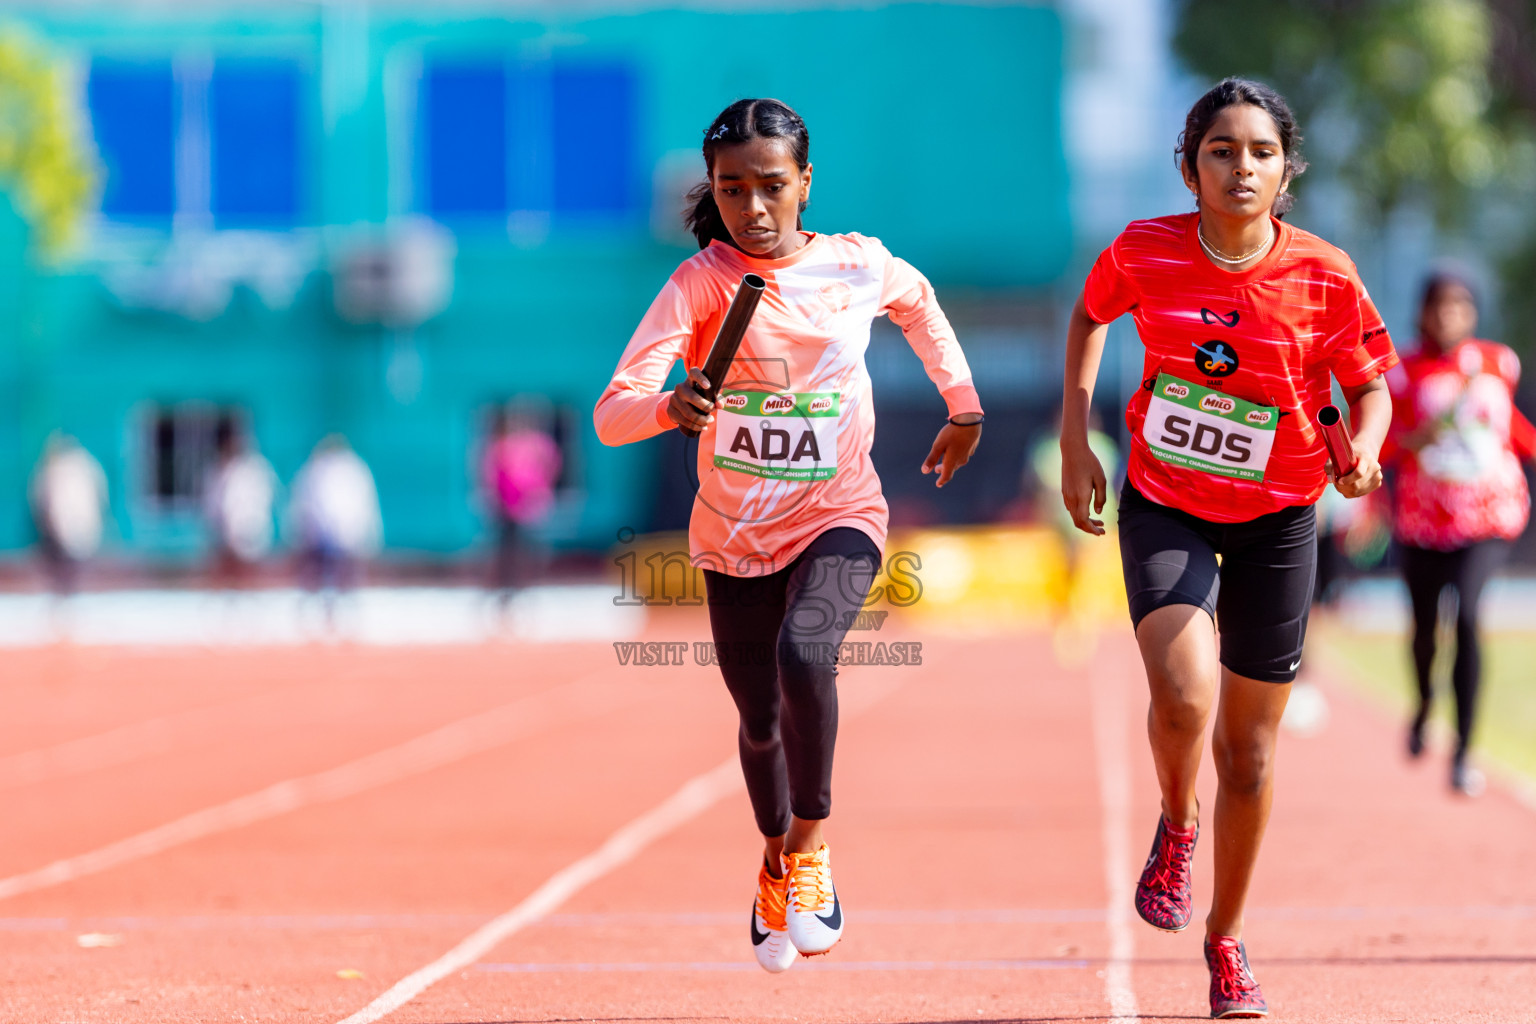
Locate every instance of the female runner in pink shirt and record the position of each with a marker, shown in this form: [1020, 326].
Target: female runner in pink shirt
[789, 520]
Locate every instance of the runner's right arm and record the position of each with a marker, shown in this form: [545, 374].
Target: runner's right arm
[633, 407]
[1082, 477]
[1108, 294]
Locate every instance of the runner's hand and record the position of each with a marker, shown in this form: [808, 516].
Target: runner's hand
[951, 450]
[688, 408]
[1082, 482]
[1364, 478]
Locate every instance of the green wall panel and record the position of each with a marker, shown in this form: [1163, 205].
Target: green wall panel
[934, 126]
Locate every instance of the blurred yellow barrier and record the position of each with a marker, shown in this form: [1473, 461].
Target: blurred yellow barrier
[992, 577]
[978, 578]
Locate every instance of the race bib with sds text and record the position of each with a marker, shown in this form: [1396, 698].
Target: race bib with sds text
[1205, 430]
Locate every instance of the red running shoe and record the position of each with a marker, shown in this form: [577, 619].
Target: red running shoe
[1163, 898]
[1234, 992]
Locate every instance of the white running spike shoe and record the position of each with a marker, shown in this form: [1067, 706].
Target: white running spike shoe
[814, 913]
[770, 937]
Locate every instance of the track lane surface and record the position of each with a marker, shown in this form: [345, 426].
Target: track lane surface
[967, 839]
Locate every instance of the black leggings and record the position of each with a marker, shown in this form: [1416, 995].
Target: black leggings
[776, 638]
[1428, 573]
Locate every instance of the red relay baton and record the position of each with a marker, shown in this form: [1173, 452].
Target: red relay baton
[1341, 451]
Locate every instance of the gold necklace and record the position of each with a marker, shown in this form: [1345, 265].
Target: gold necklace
[1216, 254]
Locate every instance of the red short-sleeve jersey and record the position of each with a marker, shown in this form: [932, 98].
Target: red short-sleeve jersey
[1464, 482]
[1270, 335]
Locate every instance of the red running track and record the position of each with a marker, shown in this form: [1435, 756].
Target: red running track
[992, 810]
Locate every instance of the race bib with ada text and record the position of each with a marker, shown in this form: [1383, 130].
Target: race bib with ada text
[779, 436]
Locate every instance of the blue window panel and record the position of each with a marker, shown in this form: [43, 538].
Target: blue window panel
[464, 119]
[595, 139]
[253, 115]
[528, 114]
[133, 111]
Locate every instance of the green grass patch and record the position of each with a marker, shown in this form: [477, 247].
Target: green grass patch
[1379, 666]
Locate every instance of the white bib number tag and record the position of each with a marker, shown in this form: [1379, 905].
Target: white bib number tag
[1205, 430]
[779, 436]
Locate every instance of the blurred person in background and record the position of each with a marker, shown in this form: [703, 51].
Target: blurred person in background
[1045, 466]
[1335, 513]
[517, 475]
[335, 516]
[238, 503]
[1352, 537]
[1461, 496]
[68, 494]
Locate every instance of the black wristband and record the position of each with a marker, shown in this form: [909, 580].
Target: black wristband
[980, 419]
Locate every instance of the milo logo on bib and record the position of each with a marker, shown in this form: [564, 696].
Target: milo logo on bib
[1205, 430]
[778, 436]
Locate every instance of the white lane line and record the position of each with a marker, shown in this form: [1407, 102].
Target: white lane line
[695, 797]
[1114, 767]
[90, 753]
[581, 698]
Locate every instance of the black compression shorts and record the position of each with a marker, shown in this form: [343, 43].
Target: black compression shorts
[1259, 594]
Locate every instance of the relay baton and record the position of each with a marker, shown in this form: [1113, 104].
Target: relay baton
[1341, 452]
[732, 329]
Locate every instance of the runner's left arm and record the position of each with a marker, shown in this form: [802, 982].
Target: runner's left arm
[912, 305]
[1360, 353]
[1522, 435]
[1370, 413]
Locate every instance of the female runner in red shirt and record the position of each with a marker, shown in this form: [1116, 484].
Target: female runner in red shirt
[1457, 442]
[1244, 318]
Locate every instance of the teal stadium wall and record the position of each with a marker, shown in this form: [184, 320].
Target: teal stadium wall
[934, 126]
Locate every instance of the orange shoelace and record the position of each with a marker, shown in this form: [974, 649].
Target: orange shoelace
[771, 896]
[811, 878]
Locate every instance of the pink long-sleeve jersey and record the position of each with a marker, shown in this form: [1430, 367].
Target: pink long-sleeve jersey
[787, 457]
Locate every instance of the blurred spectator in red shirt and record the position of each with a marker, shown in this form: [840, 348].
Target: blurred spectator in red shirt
[1461, 496]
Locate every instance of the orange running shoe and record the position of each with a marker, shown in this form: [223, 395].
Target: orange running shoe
[815, 915]
[770, 936]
